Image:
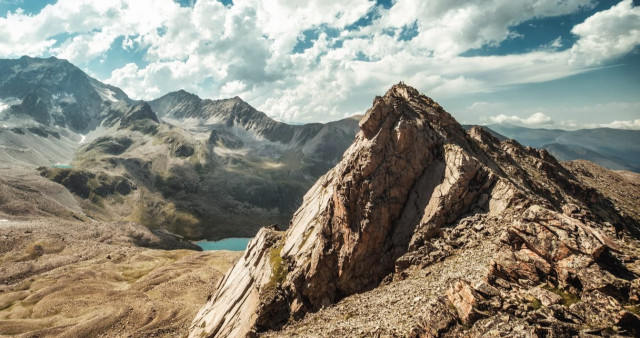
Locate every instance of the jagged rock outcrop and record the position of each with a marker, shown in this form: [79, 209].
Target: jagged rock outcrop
[415, 189]
[137, 117]
[233, 312]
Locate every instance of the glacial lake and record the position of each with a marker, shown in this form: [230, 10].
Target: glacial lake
[231, 244]
[62, 166]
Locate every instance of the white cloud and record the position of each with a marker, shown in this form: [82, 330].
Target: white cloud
[582, 117]
[607, 35]
[634, 124]
[233, 88]
[247, 49]
[553, 45]
[535, 119]
[541, 120]
[449, 28]
[93, 26]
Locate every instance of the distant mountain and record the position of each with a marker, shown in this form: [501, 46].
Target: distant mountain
[611, 148]
[233, 121]
[199, 168]
[46, 108]
[54, 92]
[222, 167]
[211, 169]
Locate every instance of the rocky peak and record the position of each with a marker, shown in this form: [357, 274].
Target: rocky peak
[55, 92]
[137, 116]
[398, 104]
[233, 112]
[137, 112]
[178, 104]
[394, 188]
[411, 175]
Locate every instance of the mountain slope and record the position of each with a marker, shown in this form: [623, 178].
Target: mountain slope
[210, 169]
[47, 106]
[476, 226]
[64, 274]
[244, 121]
[216, 169]
[204, 169]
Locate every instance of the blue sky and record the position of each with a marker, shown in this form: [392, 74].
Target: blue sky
[549, 63]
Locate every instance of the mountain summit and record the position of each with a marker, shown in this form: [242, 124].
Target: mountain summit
[55, 93]
[473, 225]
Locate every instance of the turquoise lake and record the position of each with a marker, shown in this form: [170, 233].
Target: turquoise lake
[231, 244]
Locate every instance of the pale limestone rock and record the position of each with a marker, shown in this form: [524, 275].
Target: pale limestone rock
[231, 311]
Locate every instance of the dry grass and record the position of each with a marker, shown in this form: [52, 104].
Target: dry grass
[78, 279]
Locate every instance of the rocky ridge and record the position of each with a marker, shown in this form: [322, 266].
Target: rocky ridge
[415, 192]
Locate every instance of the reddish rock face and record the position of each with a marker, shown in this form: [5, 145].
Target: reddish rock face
[465, 299]
[411, 171]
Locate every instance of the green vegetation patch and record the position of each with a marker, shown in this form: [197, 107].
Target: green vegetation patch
[110, 145]
[278, 267]
[535, 304]
[567, 297]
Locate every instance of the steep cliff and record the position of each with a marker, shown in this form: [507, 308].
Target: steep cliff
[502, 224]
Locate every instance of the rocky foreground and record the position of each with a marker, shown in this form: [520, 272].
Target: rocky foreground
[426, 230]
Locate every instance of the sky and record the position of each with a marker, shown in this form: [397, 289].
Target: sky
[539, 63]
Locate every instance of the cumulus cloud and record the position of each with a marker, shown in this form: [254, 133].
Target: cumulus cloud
[543, 120]
[449, 28]
[632, 124]
[607, 35]
[249, 48]
[580, 117]
[80, 29]
[535, 119]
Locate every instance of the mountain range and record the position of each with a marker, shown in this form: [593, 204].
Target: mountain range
[200, 168]
[616, 149]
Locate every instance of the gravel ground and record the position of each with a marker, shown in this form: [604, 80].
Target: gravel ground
[393, 309]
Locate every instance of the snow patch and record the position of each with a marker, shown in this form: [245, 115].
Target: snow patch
[4, 126]
[106, 94]
[82, 139]
[3, 106]
[213, 120]
[225, 151]
[4, 220]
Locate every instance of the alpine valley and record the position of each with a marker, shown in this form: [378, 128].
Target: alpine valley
[398, 223]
